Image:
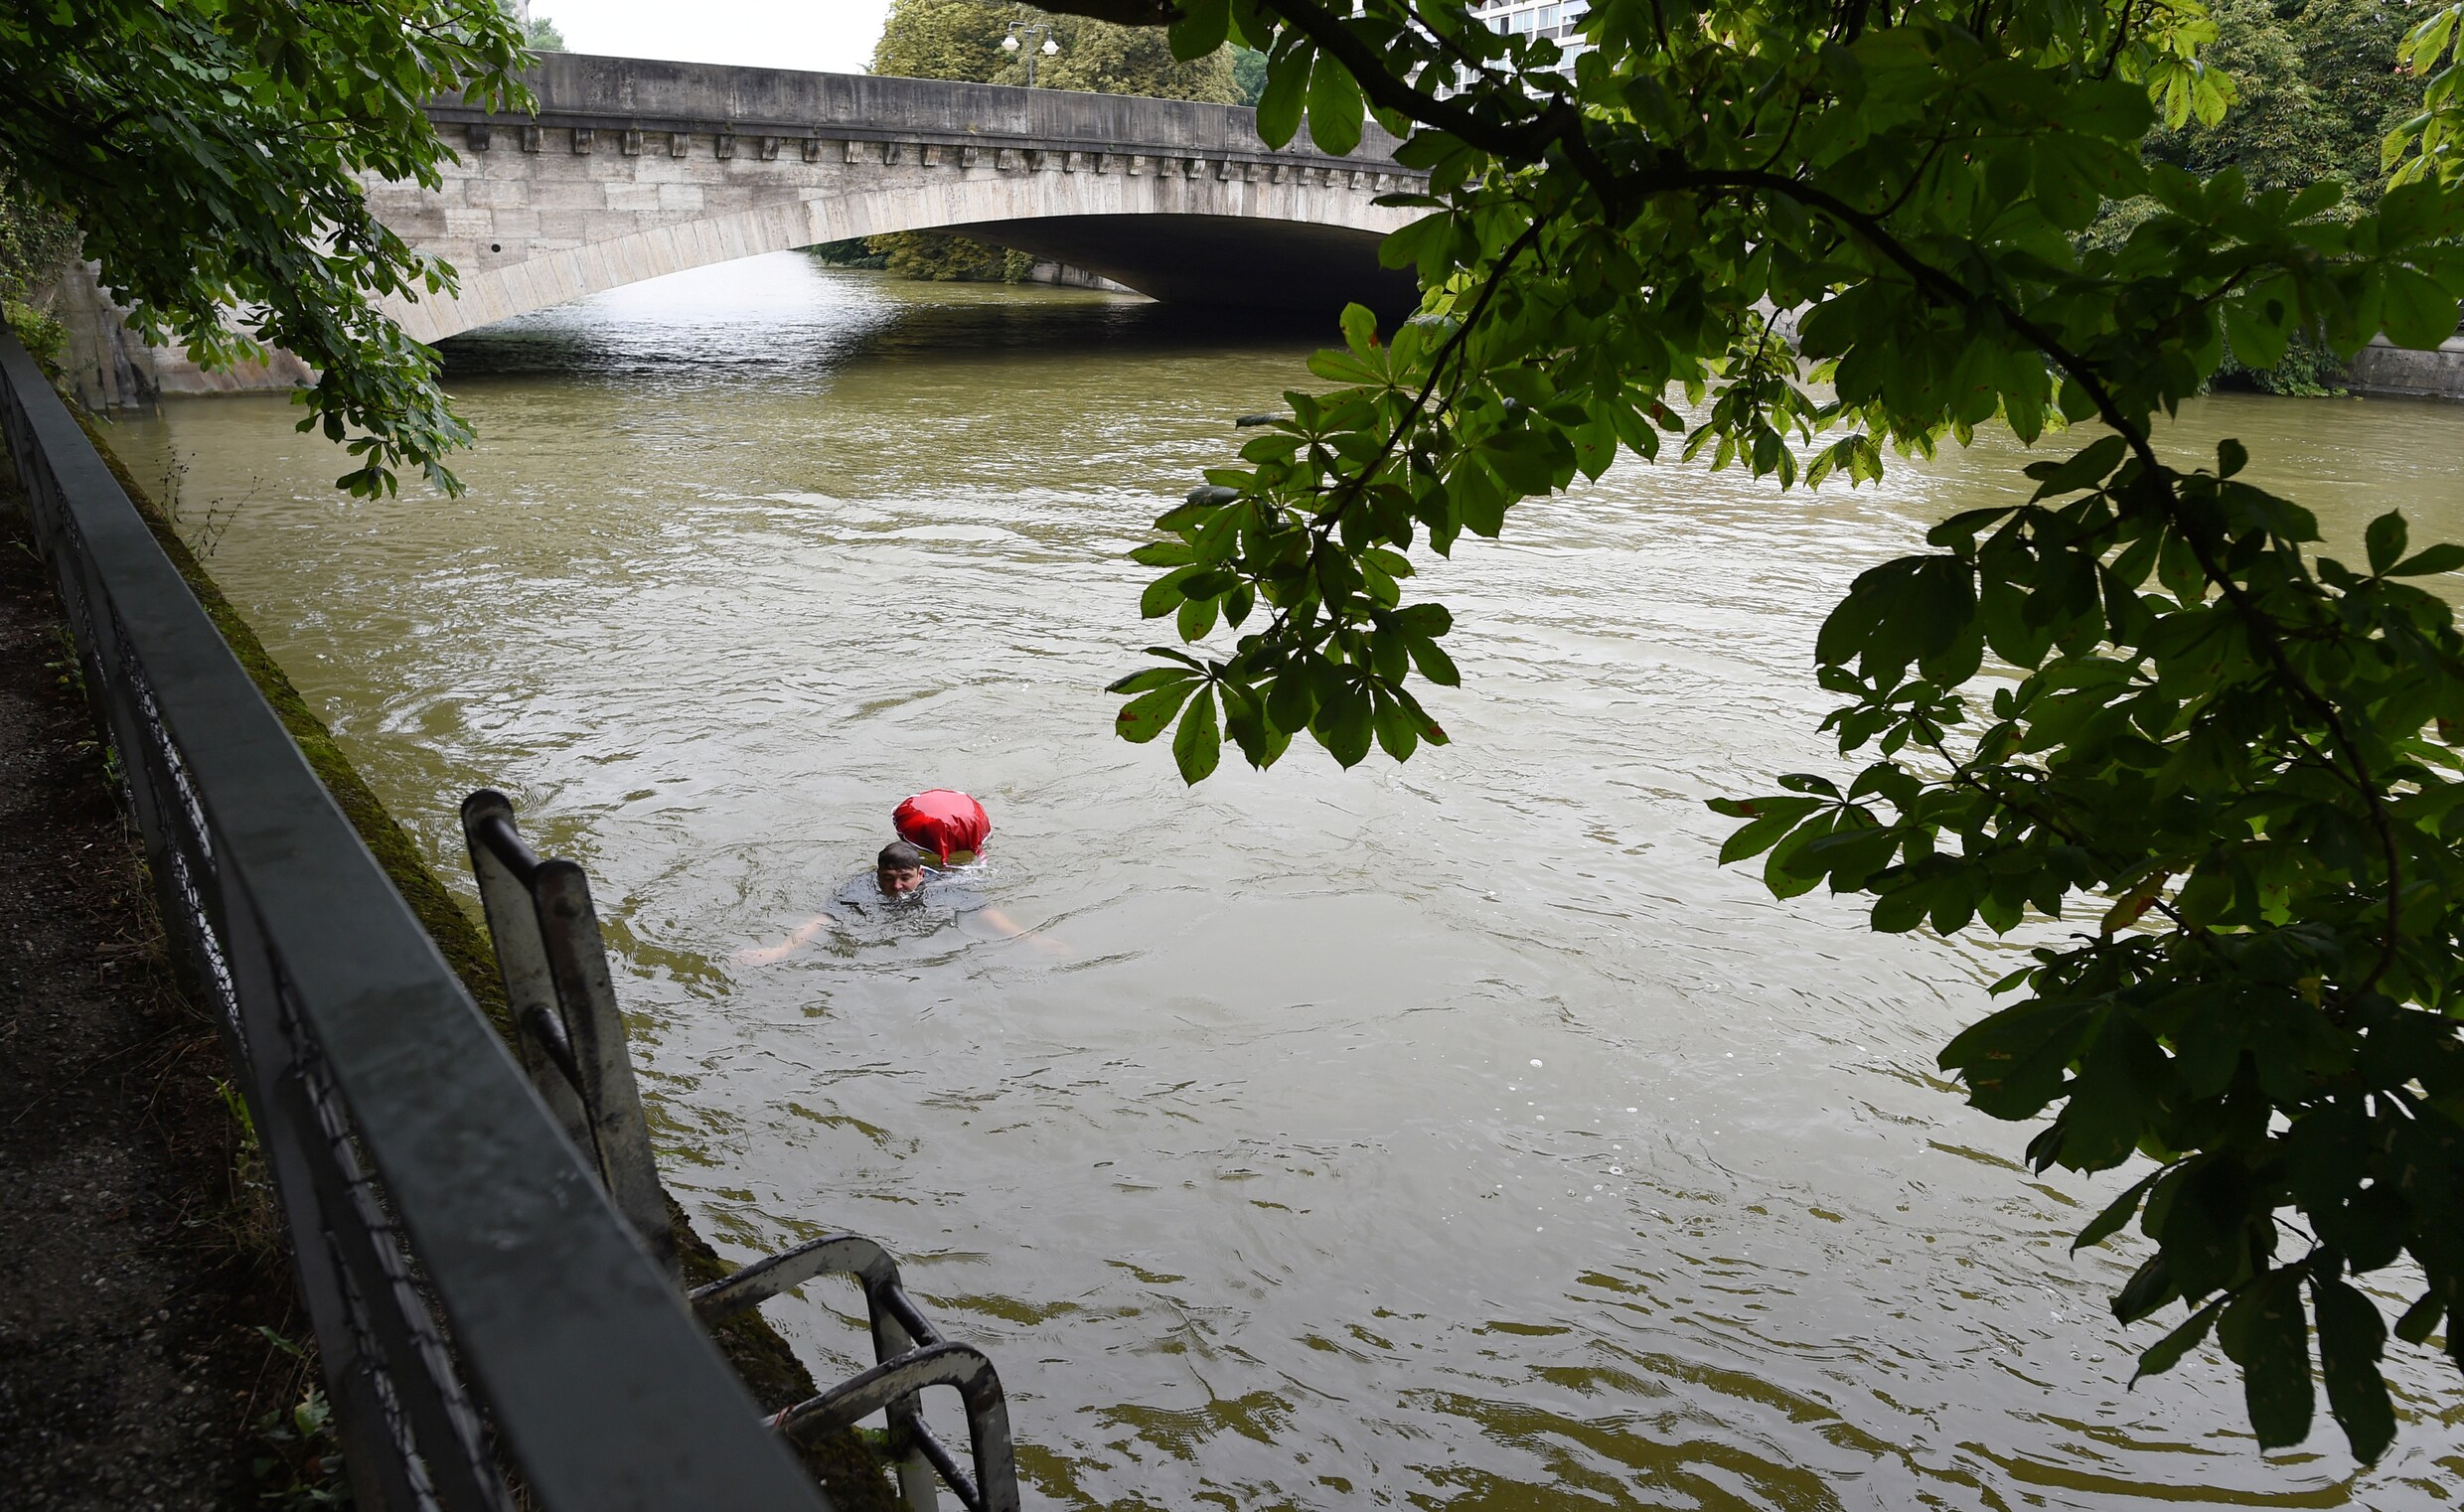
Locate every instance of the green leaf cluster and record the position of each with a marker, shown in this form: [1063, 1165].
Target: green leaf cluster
[2231, 760]
[2429, 143]
[211, 153]
[2141, 697]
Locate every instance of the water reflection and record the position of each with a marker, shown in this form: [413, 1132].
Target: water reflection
[1457, 1135]
[961, 322]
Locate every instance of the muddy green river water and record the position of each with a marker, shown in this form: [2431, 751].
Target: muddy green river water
[1449, 1136]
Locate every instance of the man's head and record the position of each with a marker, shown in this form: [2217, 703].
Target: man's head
[900, 870]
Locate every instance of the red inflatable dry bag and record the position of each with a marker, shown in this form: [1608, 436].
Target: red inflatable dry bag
[943, 822]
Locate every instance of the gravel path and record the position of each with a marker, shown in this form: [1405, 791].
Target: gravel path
[137, 1261]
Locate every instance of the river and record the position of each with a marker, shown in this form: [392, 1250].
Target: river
[1454, 1134]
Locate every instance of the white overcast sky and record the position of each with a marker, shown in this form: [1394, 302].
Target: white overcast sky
[834, 36]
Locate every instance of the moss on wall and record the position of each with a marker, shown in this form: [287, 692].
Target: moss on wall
[763, 1360]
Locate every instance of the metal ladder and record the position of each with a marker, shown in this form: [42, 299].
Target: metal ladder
[571, 1043]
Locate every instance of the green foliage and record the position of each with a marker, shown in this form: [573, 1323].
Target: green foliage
[934, 258]
[962, 39]
[851, 254]
[298, 1461]
[1248, 74]
[2306, 371]
[210, 151]
[2431, 142]
[943, 39]
[539, 32]
[2232, 755]
[36, 245]
[2315, 89]
[1119, 60]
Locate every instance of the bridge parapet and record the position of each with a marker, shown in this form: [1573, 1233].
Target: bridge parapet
[606, 98]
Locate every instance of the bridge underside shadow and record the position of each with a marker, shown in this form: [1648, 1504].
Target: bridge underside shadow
[1222, 261]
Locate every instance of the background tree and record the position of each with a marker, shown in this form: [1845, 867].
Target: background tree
[1120, 59]
[1249, 74]
[2230, 758]
[2317, 88]
[539, 34]
[209, 153]
[944, 39]
[961, 40]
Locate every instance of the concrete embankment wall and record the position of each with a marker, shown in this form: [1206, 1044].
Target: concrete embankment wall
[109, 366]
[2381, 368]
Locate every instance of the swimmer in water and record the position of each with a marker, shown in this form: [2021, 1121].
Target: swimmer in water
[898, 879]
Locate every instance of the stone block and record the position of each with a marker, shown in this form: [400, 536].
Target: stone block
[570, 228]
[679, 143]
[1009, 159]
[632, 196]
[584, 138]
[725, 145]
[629, 142]
[680, 196]
[567, 191]
[494, 194]
[480, 135]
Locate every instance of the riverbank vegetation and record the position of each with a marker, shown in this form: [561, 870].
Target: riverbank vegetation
[37, 244]
[2316, 89]
[2223, 758]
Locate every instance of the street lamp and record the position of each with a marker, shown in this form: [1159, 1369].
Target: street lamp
[1013, 44]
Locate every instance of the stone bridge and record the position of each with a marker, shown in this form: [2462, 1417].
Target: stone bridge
[633, 169]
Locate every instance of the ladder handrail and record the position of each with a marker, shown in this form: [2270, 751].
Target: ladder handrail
[571, 1040]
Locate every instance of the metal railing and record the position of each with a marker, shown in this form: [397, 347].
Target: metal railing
[572, 1042]
[480, 1305]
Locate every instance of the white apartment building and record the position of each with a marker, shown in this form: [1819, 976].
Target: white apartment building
[1552, 19]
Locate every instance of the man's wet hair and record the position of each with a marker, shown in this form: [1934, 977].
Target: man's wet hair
[898, 855]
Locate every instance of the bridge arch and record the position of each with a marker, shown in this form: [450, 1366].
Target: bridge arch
[632, 170]
[1194, 239]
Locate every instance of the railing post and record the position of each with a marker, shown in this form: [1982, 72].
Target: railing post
[565, 1020]
[522, 964]
[619, 1130]
[919, 1487]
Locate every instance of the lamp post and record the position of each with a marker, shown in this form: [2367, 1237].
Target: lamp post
[1017, 42]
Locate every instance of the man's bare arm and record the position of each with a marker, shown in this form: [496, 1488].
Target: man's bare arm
[805, 934]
